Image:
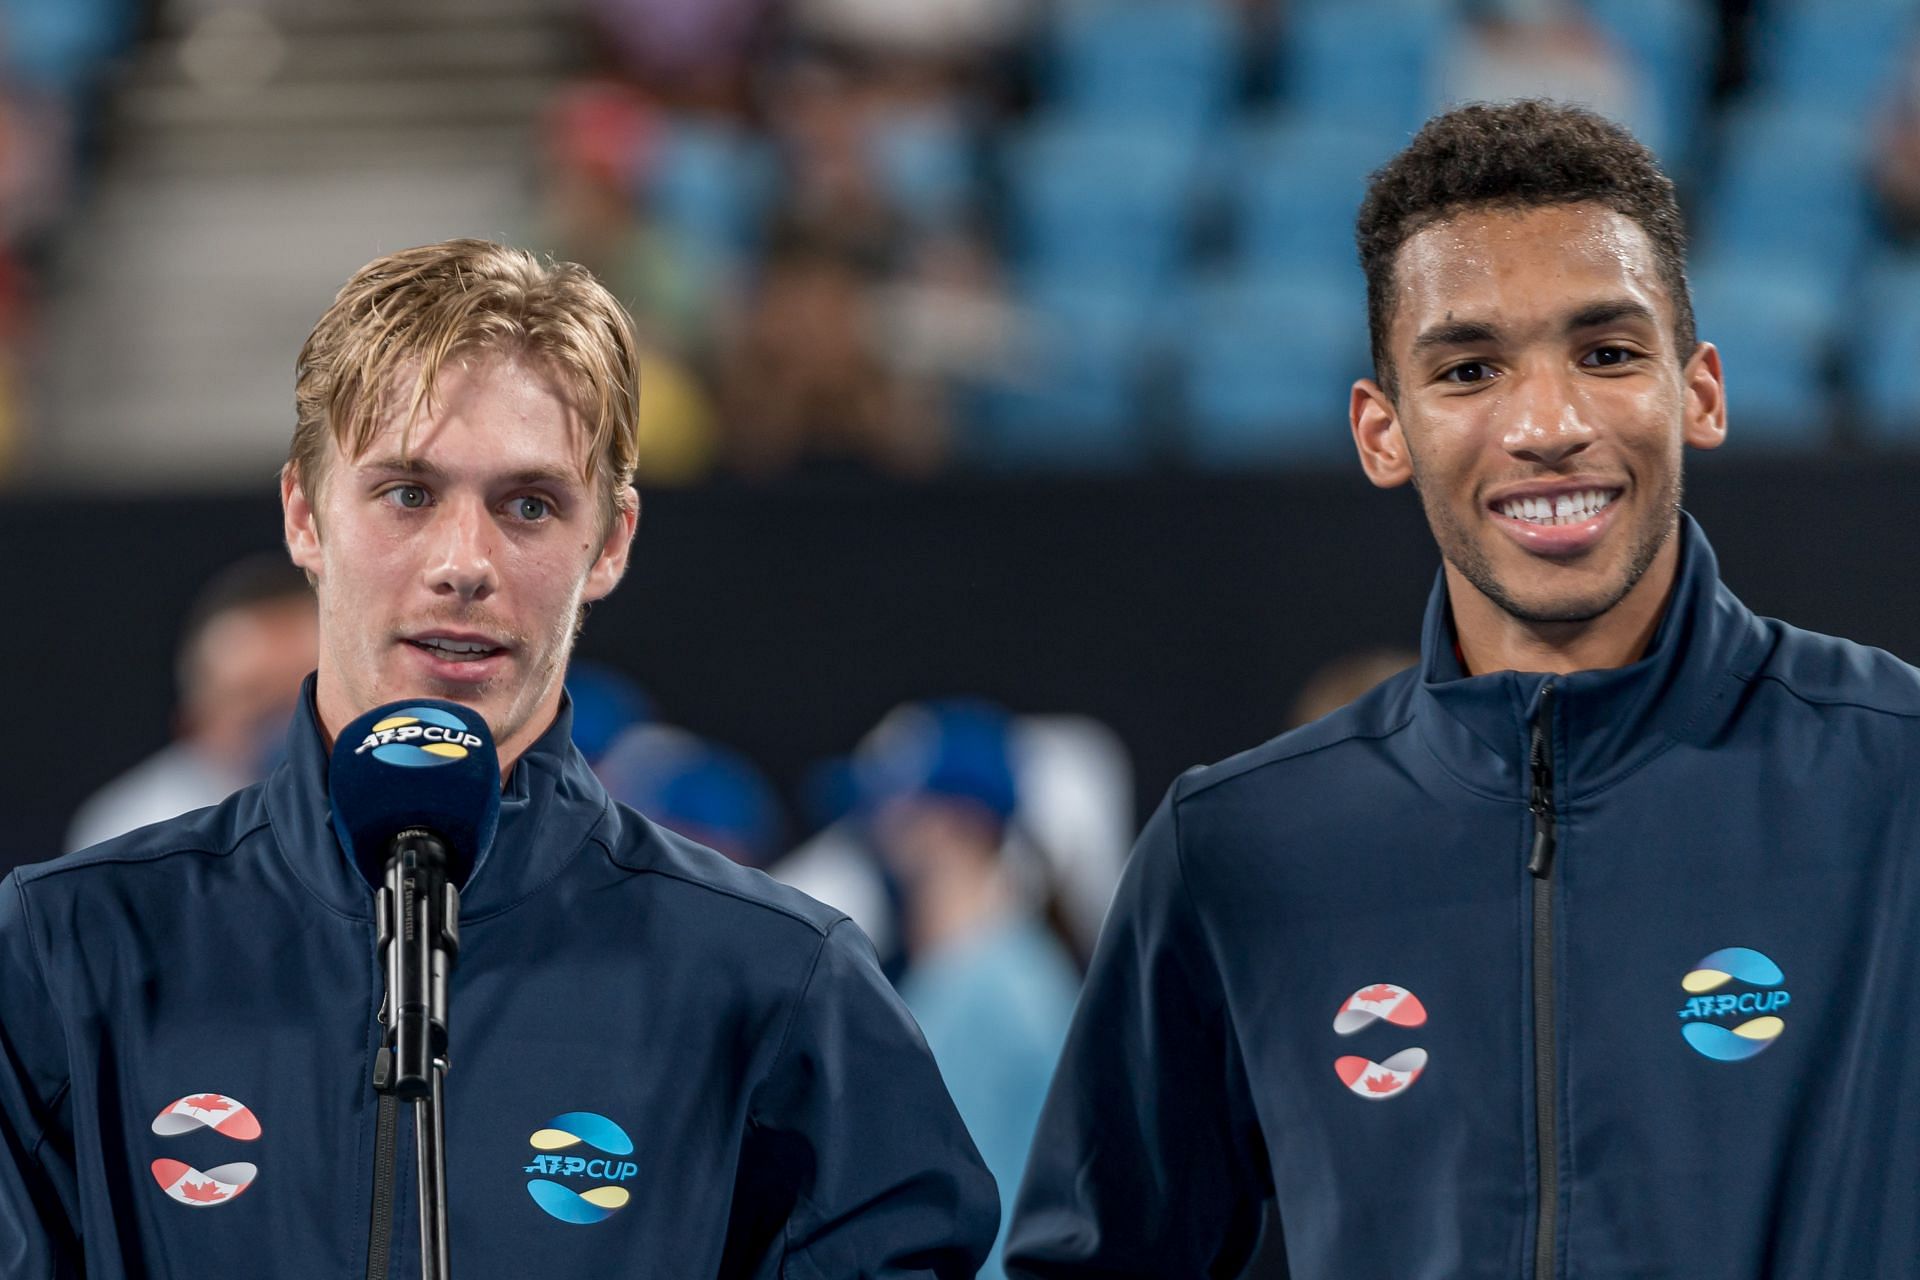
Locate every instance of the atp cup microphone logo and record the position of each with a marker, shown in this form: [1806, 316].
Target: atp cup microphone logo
[1730, 1025]
[418, 737]
[568, 1132]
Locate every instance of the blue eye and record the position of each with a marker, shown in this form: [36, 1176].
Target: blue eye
[532, 508]
[409, 496]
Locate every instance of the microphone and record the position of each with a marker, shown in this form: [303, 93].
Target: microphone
[415, 789]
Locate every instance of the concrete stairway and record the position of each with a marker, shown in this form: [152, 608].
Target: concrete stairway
[257, 156]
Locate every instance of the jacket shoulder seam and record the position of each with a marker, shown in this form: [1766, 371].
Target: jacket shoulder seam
[1198, 785]
[1813, 700]
[63, 866]
[823, 930]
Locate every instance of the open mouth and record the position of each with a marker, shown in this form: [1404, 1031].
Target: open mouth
[456, 650]
[1576, 507]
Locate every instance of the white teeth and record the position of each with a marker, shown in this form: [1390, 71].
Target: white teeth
[1566, 508]
[456, 648]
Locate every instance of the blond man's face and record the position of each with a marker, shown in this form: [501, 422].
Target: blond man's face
[458, 571]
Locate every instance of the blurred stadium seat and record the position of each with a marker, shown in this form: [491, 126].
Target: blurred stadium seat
[1293, 189]
[1268, 361]
[1774, 328]
[1790, 194]
[1165, 62]
[1884, 357]
[1367, 63]
[1079, 398]
[1103, 202]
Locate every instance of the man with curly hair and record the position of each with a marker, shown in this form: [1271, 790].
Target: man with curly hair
[1580, 947]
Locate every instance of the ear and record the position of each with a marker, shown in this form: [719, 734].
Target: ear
[300, 522]
[1704, 422]
[1377, 435]
[611, 563]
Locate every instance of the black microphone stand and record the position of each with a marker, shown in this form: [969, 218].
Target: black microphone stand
[418, 909]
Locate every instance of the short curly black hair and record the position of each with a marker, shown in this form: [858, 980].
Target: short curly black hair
[1516, 155]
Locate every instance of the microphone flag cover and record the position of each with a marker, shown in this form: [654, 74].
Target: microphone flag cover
[419, 762]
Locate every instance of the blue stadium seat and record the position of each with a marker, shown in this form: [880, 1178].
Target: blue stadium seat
[1774, 328]
[1268, 361]
[1081, 398]
[1294, 187]
[1883, 366]
[1840, 57]
[1672, 43]
[1102, 204]
[1790, 190]
[708, 186]
[1167, 62]
[1365, 63]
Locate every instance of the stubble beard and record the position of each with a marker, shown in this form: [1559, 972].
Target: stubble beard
[1461, 550]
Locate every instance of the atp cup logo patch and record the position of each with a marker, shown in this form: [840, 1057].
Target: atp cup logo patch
[575, 1132]
[418, 737]
[221, 1184]
[1734, 1012]
[1391, 1076]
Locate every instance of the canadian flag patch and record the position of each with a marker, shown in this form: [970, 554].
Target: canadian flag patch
[1376, 1002]
[1376, 1080]
[225, 1116]
[188, 1185]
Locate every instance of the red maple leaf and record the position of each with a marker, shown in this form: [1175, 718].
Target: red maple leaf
[208, 1102]
[1380, 993]
[1381, 1084]
[202, 1192]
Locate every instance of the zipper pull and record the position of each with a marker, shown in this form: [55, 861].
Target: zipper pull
[1540, 798]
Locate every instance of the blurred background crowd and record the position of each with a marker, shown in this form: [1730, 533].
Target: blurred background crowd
[904, 246]
[903, 238]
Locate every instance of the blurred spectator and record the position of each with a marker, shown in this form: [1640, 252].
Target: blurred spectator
[934, 32]
[990, 985]
[1345, 678]
[695, 788]
[804, 379]
[1896, 155]
[693, 53]
[249, 640]
[1075, 785]
[1507, 49]
[606, 703]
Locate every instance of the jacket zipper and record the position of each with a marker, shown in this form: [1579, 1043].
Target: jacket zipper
[385, 1143]
[1540, 865]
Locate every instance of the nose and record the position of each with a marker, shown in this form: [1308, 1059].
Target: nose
[462, 563]
[1548, 423]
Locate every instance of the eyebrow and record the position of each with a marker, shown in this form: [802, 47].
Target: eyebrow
[1464, 333]
[527, 477]
[1608, 312]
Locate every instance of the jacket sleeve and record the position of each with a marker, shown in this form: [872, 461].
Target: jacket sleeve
[879, 1173]
[37, 1223]
[1148, 1160]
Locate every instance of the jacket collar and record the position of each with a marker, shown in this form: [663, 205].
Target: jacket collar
[549, 806]
[1605, 723]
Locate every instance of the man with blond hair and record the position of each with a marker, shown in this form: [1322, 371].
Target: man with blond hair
[667, 1065]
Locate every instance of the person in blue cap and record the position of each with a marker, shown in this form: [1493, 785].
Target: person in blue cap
[989, 983]
[1583, 947]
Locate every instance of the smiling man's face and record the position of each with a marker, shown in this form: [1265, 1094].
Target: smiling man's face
[457, 571]
[1542, 408]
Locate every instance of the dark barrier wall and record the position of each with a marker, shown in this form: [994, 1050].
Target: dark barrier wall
[1184, 611]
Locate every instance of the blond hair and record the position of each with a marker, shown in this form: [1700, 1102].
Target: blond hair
[407, 314]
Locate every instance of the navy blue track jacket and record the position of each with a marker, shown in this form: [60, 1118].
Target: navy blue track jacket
[1603, 975]
[663, 1065]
